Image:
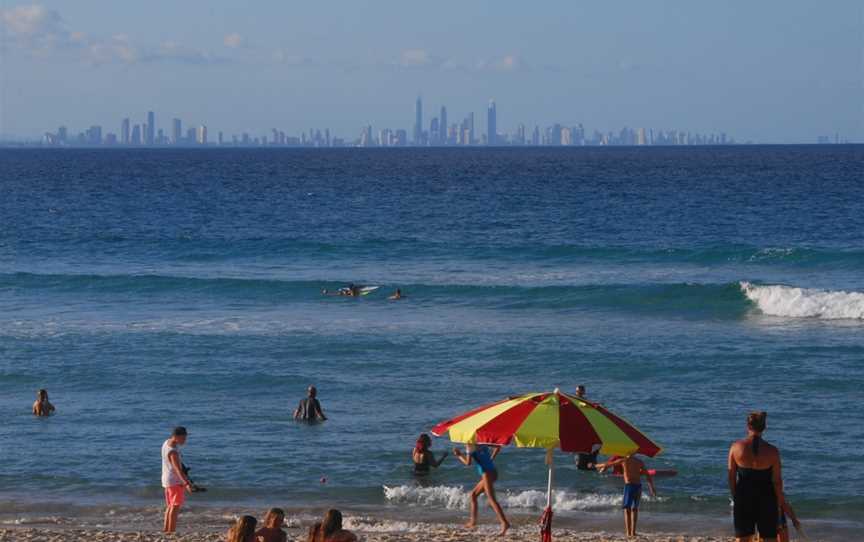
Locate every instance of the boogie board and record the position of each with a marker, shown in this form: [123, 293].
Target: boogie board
[366, 290]
[657, 473]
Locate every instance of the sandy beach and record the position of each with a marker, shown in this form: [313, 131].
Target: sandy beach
[433, 534]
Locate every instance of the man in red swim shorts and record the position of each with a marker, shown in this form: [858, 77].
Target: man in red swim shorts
[174, 480]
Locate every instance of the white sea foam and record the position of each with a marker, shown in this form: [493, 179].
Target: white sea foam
[452, 497]
[778, 300]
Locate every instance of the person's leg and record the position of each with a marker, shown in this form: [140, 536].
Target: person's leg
[171, 518]
[627, 521]
[633, 520]
[489, 486]
[475, 493]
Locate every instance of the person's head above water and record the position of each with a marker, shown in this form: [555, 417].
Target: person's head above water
[179, 434]
[312, 391]
[580, 391]
[42, 395]
[423, 443]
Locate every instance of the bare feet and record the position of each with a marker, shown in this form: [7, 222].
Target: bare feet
[504, 528]
[471, 525]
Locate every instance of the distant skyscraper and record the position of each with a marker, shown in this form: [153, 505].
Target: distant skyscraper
[150, 134]
[125, 133]
[491, 124]
[418, 121]
[176, 131]
[136, 135]
[442, 126]
[201, 135]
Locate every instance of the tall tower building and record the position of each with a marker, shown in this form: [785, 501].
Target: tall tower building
[442, 126]
[418, 121]
[201, 135]
[176, 131]
[491, 124]
[125, 132]
[150, 133]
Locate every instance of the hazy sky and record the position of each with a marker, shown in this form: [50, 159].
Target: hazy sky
[778, 70]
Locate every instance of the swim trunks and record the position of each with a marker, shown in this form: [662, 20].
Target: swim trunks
[632, 496]
[175, 496]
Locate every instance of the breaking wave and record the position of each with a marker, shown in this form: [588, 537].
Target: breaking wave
[789, 301]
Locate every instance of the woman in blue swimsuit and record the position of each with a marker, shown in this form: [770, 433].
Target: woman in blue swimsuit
[484, 461]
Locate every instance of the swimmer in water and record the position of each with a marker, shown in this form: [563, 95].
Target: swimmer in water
[352, 290]
[42, 406]
[424, 459]
[396, 295]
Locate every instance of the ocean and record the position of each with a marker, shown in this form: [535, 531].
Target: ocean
[684, 287]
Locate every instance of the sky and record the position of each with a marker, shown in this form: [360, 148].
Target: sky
[769, 71]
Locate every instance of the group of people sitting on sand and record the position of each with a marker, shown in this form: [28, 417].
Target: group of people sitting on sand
[245, 529]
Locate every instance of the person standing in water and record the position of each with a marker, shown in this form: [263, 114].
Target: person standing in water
[633, 469]
[756, 483]
[484, 460]
[174, 479]
[586, 461]
[309, 409]
[423, 458]
[42, 406]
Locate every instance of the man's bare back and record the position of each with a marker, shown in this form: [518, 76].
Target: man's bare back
[633, 469]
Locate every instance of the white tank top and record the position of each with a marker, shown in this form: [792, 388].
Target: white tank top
[170, 476]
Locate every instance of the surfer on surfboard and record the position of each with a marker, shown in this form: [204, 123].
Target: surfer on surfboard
[352, 290]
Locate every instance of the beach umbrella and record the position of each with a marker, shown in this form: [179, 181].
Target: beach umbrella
[551, 421]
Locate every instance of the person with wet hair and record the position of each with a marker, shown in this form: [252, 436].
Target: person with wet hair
[756, 483]
[309, 409]
[42, 407]
[423, 458]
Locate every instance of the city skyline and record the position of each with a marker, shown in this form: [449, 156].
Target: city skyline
[437, 131]
[773, 72]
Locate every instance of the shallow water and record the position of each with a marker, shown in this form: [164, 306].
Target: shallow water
[684, 287]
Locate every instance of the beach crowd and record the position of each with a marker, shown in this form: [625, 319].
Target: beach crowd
[760, 509]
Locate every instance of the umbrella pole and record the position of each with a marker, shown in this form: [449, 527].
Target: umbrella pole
[546, 520]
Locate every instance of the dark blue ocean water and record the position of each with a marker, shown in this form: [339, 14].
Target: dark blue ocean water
[684, 287]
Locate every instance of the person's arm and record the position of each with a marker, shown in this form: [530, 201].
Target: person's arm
[438, 463]
[174, 459]
[777, 478]
[36, 408]
[732, 471]
[610, 463]
[650, 478]
[318, 412]
[787, 509]
[51, 408]
[463, 458]
[297, 410]
[495, 451]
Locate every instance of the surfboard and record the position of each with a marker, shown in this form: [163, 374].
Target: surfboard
[366, 290]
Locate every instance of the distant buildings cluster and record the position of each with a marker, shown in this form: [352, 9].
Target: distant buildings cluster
[439, 131]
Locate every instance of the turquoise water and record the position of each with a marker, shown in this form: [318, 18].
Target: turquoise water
[683, 287]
